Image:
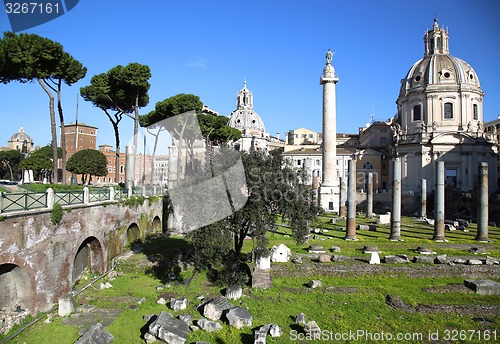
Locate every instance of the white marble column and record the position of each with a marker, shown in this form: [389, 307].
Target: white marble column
[329, 190]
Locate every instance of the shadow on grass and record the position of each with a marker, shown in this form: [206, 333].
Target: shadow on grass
[170, 256]
[247, 338]
[145, 328]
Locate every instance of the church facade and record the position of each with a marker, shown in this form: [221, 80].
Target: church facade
[440, 117]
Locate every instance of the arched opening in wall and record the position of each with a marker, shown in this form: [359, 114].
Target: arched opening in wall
[15, 288]
[133, 234]
[89, 256]
[156, 225]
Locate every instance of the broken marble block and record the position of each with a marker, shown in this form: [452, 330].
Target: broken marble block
[96, 334]
[234, 292]
[178, 304]
[169, 329]
[239, 317]
[208, 325]
[214, 309]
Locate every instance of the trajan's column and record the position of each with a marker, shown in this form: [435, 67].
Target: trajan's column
[329, 189]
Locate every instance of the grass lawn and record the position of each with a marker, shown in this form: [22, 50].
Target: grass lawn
[350, 307]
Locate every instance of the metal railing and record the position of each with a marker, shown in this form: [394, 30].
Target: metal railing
[98, 195]
[23, 201]
[68, 197]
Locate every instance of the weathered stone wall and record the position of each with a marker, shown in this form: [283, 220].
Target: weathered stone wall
[37, 258]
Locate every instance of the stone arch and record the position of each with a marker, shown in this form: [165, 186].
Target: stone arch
[16, 287]
[156, 224]
[89, 255]
[133, 234]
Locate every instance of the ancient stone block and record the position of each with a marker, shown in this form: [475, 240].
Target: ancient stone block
[213, 310]
[169, 329]
[384, 219]
[239, 317]
[280, 254]
[484, 287]
[97, 334]
[312, 330]
[423, 259]
[208, 326]
[234, 292]
[314, 284]
[275, 331]
[66, 305]
[261, 279]
[375, 258]
[178, 304]
[324, 258]
[187, 318]
[316, 249]
[300, 319]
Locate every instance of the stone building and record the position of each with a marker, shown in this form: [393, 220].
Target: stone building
[303, 136]
[78, 136]
[493, 130]
[440, 117]
[246, 120]
[110, 155]
[376, 136]
[21, 141]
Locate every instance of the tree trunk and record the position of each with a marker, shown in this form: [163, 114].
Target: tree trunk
[63, 134]
[136, 124]
[52, 129]
[117, 155]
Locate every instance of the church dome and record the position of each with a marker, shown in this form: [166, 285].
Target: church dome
[440, 72]
[440, 92]
[438, 69]
[21, 136]
[244, 118]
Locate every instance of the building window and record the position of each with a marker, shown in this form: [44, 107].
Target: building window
[298, 162]
[310, 136]
[304, 136]
[474, 111]
[121, 169]
[367, 166]
[417, 113]
[81, 131]
[448, 110]
[383, 140]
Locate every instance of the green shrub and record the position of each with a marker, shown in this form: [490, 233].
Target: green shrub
[56, 214]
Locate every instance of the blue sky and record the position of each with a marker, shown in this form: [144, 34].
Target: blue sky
[209, 48]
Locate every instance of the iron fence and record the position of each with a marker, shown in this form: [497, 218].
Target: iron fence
[68, 197]
[23, 201]
[98, 195]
